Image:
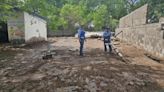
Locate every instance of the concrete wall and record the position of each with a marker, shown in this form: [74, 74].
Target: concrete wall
[147, 36]
[136, 18]
[26, 28]
[35, 28]
[16, 28]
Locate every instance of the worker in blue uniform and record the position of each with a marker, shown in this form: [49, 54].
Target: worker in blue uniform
[81, 37]
[107, 39]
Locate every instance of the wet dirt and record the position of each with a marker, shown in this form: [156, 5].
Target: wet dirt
[26, 71]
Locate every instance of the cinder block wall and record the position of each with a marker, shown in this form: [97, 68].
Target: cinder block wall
[147, 36]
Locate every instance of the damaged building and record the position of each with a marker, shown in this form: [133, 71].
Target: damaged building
[24, 27]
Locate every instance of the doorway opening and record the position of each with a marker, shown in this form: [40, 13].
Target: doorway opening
[3, 33]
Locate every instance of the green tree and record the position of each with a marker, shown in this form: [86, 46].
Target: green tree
[7, 8]
[63, 14]
[73, 14]
[99, 16]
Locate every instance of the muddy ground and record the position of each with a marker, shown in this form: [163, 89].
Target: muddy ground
[22, 68]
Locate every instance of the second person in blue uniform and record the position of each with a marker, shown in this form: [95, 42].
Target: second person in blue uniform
[81, 37]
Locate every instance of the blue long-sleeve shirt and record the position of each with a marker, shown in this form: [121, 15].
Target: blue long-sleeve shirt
[107, 36]
[81, 34]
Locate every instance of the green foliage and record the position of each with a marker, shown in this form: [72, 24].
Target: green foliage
[6, 8]
[63, 14]
[155, 9]
[99, 16]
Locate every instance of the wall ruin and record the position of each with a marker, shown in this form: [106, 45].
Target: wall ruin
[136, 31]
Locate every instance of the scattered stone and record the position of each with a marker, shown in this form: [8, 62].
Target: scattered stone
[73, 50]
[16, 80]
[4, 78]
[91, 86]
[99, 62]
[141, 83]
[81, 79]
[75, 69]
[54, 71]
[65, 71]
[69, 81]
[131, 83]
[37, 76]
[62, 79]
[120, 54]
[68, 89]
[24, 62]
[129, 76]
[113, 68]
[101, 78]
[87, 68]
[87, 80]
[8, 68]
[103, 84]
[4, 60]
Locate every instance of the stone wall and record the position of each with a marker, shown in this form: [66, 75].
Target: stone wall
[147, 36]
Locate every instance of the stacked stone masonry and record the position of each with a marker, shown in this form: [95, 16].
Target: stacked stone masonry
[136, 31]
